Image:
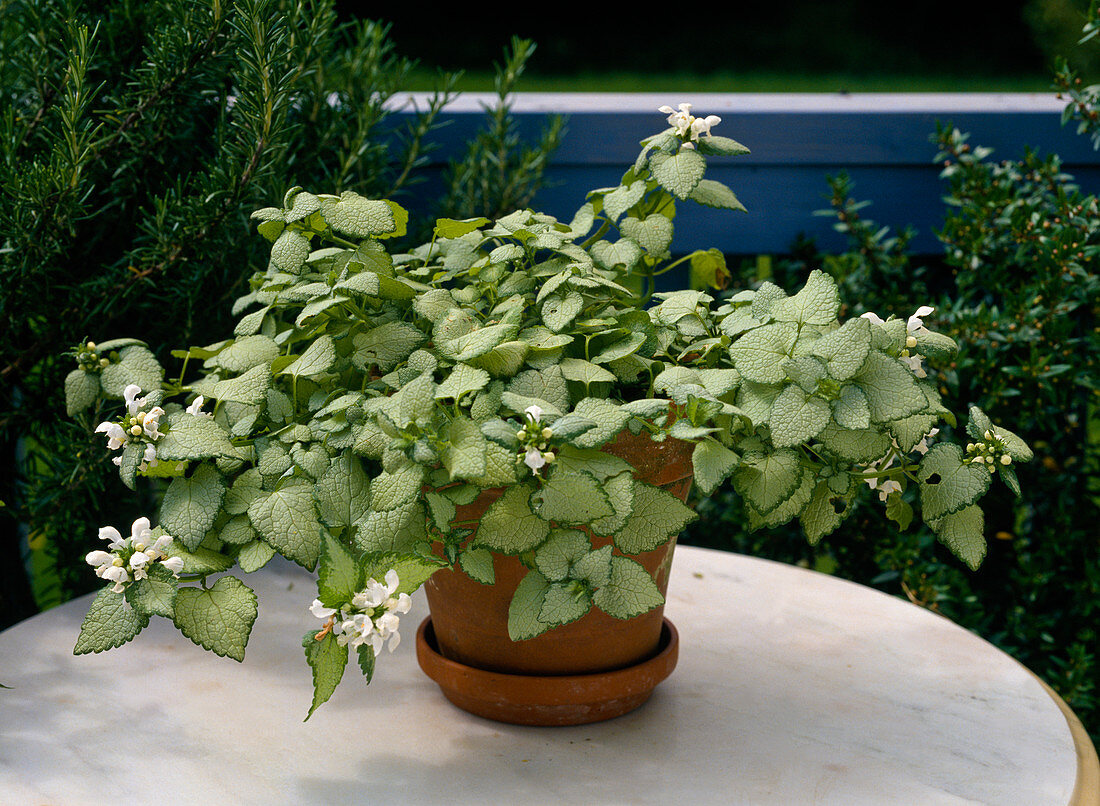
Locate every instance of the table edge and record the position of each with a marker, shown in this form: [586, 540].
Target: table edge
[1086, 789]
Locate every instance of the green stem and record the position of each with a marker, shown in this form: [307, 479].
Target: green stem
[183, 370]
[605, 225]
[329, 235]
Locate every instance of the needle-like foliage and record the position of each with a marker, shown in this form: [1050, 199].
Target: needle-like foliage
[135, 138]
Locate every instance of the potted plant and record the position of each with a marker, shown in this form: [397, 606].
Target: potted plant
[513, 415]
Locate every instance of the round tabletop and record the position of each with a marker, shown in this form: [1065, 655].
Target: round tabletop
[793, 687]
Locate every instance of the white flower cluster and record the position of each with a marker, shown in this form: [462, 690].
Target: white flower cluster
[914, 327]
[534, 437]
[130, 558]
[370, 618]
[686, 124]
[884, 486]
[989, 452]
[137, 425]
[887, 486]
[89, 359]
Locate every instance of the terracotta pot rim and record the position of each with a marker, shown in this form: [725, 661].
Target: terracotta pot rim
[503, 692]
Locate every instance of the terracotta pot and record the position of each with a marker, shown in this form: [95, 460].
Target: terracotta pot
[547, 700]
[469, 621]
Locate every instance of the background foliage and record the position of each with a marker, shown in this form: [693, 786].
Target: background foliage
[1019, 289]
[135, 140]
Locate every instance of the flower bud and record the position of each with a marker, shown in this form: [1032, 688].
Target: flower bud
[136, 430]
[911, 341]
[547, 433]
[1006, 460]
[549, 457]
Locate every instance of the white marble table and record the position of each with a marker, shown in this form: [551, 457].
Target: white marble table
[792, 688]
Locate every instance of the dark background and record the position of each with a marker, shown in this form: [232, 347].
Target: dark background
[851, 35]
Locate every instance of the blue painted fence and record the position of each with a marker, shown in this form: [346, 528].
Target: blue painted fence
[881, 140]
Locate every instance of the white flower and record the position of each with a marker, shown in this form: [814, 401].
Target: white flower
[392, 581]
[116, 437]
[702, 125]
[196, 407]
[150, 422]
[403, 603]
[373, 615]
[110, 567]
[887, 487]
[387, 630]
[922, 446]
[137, 425]
[686, 124]
[130, 558]
[376, 593]
[320, 611]
[354, 632]
[372, 596]
[534, 412]
[679, 120]
[117, 574]
[146, 552]
[386, 624]
[914, 363]
[173, 564]
[140, 531]
[99, 560]
[914, 327]
[534, 459]
[915, 323]
[115, 540]
[134, 404]
[880, 465]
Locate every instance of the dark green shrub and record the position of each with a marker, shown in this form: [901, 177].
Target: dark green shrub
[135, 139]
[1018, 287]
[1056, 27]
[1019, 290]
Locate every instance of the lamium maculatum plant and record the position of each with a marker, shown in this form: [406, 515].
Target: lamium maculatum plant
[364, 397]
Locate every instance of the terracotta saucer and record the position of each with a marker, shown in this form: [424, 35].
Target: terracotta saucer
[547, 701]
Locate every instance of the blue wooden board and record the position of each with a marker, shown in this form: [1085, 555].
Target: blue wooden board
[882, 141]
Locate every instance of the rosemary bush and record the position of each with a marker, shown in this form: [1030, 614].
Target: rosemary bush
[135, 139]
